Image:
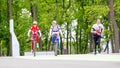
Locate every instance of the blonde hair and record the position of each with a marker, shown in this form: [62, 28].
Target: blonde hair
[54, 22]
[98, 21]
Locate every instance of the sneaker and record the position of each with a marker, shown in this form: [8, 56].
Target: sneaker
[99, 51]
[58, 51]
[37, 45]
[95, 53]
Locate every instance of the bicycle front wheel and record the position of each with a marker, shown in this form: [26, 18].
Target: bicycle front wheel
[34, 48]
[55, 49]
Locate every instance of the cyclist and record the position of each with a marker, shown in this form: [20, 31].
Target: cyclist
[36, 33]
[55, 32]
[97, 31]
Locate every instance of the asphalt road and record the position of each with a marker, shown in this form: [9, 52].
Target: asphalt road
[67, 61]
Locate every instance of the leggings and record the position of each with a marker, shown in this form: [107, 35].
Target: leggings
[97, 40]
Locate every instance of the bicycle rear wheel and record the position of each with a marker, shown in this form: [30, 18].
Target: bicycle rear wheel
[55, 49]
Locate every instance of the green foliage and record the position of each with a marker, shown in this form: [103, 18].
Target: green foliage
[117, 12]
[4, 28]
[84, 11]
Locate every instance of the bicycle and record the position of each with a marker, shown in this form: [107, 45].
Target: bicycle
[55, 44]
[34, 46]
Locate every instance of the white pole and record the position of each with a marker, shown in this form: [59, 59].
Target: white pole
[15, 43]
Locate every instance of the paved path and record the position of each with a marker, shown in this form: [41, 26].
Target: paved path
[62, 61]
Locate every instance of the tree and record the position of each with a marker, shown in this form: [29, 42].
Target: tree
[115, 26]
[85, 12]
[10, 17]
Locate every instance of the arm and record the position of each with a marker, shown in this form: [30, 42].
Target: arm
[29, 33]
[50, 33]
[61, 32]
[93, 31]
[102, 30]
[39, 33]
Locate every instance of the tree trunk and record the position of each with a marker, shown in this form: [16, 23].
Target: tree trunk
[119, 39]
[80, 40]
[116, 32]
[10, 9]
[111, 35]
[10, 17]
[91, 43]
[40, 44]
[70, 38]
[61, 45]
[77, 38]
[63, 4]
[67, 37]
[0, 50]
[33, 10]
[0, 22]
[68, 27]
[86, 45]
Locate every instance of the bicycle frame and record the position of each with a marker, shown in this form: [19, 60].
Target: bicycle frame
[34, 46]
[55, 45]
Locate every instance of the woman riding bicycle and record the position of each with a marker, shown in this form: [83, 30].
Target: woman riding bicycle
[55, 32]
[36, 33]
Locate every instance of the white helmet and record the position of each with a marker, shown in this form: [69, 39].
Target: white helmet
[34, 22]
[54, 22]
